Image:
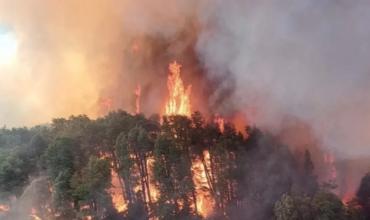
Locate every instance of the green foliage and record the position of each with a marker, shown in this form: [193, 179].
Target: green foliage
[17, 164]
[248, 178]
[14, 170]
[327, 206]
[172, 168]
[285, 208]
[98, 176]
[323, 205]
[59, 158]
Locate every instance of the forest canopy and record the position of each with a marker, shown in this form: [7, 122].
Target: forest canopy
[125, 166]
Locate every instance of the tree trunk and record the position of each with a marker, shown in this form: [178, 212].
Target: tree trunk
[116, 168]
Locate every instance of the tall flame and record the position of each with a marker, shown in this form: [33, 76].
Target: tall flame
[178, 102]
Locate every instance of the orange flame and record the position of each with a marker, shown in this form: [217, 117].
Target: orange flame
[115, 190]
[220, 121]
[137, 101]
[4, 208]
[178, 102]
[116, 193]
[205, 202]
[154, 192]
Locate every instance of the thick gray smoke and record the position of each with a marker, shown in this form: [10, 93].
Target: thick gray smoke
[307, 59]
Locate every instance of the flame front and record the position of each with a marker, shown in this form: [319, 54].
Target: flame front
[178, 102]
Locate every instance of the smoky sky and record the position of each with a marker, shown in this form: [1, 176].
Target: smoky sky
[74, 55]
[306, 59]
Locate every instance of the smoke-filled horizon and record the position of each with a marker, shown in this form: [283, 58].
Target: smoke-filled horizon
[306, 59]
[270, 60]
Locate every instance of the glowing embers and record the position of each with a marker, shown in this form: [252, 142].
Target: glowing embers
[178, 102]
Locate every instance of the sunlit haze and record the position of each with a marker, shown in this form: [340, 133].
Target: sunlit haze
[8, 47]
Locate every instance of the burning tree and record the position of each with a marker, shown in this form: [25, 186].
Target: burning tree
[178, 102]
[172, 169]
[180, 166]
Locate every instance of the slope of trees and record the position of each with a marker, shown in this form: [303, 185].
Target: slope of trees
[246, 178]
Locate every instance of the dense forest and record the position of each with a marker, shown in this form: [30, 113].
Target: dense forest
[64, 170]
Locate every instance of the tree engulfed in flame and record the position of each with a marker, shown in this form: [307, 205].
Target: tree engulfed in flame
[205, 201]
[154, 192]
[116, 188]
[178, 102]
[116, 192]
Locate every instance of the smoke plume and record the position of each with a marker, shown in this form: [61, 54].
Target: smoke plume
[306, 59]
[269, 60]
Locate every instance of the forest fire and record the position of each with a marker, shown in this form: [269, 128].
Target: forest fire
[178, 102]
[199, 110]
